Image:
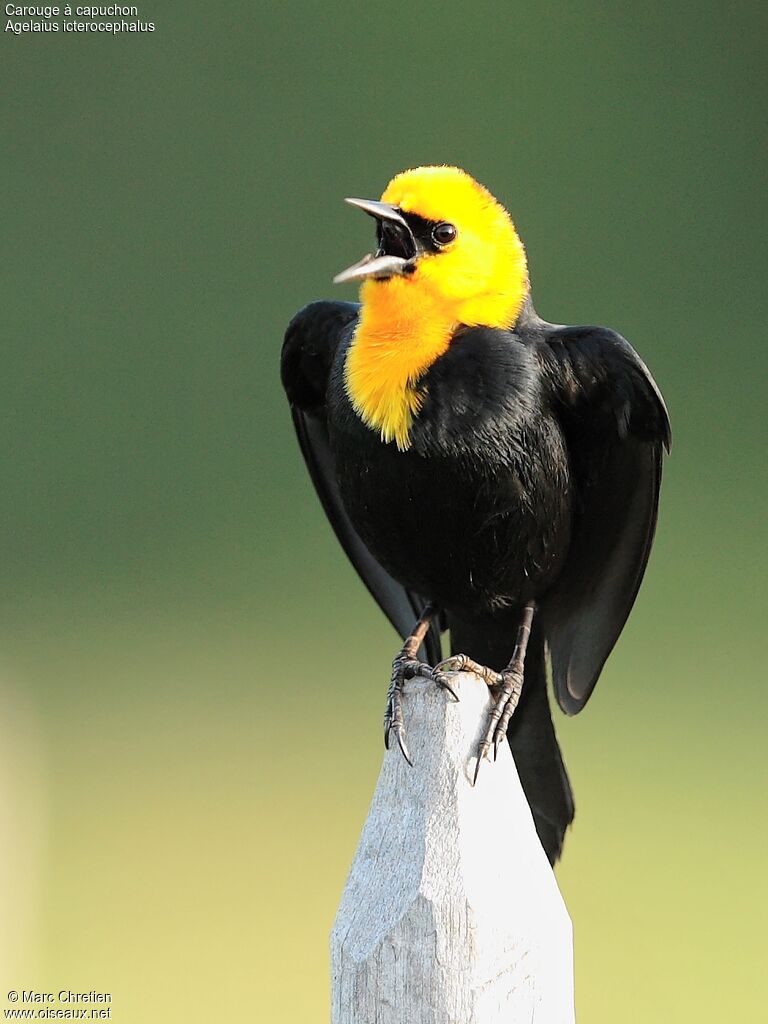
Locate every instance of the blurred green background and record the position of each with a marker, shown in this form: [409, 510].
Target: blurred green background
[183, 769]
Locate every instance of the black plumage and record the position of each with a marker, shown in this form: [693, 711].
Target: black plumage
[533, 475]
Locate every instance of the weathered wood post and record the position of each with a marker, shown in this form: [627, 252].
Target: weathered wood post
[451, 913]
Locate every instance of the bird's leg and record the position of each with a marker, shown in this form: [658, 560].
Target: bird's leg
[406, 665]
[505, 686]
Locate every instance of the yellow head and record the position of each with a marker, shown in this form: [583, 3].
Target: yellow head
[448, 255]
[477, 273]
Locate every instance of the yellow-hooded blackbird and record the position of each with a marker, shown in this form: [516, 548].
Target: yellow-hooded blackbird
[485, 471]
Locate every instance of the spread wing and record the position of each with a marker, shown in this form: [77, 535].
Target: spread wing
[309, 348]
[615, 424]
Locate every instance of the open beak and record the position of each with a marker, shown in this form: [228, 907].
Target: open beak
[397, 247]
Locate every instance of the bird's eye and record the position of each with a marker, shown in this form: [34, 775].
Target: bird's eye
[443, 234]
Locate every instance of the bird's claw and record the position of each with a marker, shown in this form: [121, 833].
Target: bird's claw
[444, 682]
[506, 696]
[505, 687]
[404, 668]
[399, 731]
[462, 663]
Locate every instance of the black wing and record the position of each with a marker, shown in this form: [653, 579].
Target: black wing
[615, 423]
[309, 348]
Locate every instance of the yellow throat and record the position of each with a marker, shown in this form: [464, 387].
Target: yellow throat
[406, 323]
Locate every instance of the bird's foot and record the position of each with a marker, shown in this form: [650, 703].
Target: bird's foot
[505, 688]
[405, 667]
[462, 663]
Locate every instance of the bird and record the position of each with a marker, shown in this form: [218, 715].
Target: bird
[488, 473]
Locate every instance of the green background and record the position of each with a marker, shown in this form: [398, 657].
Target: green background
[186, 749]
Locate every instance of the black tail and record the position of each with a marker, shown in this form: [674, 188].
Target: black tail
[537, 755]
[531, 732]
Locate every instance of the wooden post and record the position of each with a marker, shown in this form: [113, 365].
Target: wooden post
[451, 913]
